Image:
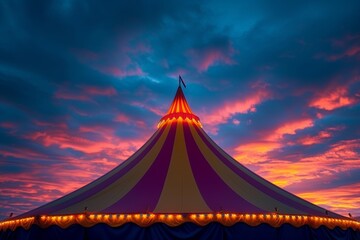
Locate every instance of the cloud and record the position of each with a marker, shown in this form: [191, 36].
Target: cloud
[202, 59]
[291, 128]
[109, 91]
[333, 99]
[319, 137]
[343, 200]
[221, 114]
[118, 72]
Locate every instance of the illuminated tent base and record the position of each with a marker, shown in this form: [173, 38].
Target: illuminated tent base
[174, 220]
[188, 230]
[179, 226]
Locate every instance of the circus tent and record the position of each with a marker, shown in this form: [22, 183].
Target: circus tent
[180, 184]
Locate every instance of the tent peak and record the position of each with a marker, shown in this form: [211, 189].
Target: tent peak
[179, 110]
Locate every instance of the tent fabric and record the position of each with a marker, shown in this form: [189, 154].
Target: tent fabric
[160, 231]
[181, 170]
[180, 184]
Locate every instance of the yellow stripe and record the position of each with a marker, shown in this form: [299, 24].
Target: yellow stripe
[187, 107]
[122, 186]
[180, 193]
[260, 179]
[173, 107]
[177, 105]
[236, 183]
[182, 106]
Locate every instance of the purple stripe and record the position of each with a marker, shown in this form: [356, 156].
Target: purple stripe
[256, 184]
[145, 195]
[217, 194]
[99, 186]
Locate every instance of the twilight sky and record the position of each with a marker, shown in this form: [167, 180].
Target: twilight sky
[275, 83]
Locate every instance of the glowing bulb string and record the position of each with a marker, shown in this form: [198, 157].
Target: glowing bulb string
[202, 219]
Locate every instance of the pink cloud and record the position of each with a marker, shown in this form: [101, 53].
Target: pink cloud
[125, 119]
[59, 125]
[122, 118]
[99, 156]
[67, 95]
[121, 72]
[76, 139]
[346, 47]
[319, 137]
[257, 151]
[8, 125]
[202, 59]
[335, 97]
[22, 153]
[344, 40]
[310, 140]
[84, 93]
[221, 114]
[69, 140]
[91, 90]
[47, 180]
[213, 57]
[290, 128]
[350, 52]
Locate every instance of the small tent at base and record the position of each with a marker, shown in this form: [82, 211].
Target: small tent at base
[180, 185]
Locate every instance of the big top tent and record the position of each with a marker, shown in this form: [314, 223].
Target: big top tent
[180, 185]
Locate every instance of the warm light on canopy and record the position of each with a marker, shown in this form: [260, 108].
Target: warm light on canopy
[147, 219]
[179, 109]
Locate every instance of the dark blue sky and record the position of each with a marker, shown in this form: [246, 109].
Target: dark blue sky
[84, 83]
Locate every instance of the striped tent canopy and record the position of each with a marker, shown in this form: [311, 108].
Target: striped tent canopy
[180, 175]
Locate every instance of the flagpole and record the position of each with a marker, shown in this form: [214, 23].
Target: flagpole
[182, 81]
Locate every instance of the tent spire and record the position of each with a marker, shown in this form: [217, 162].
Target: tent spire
[179, 108]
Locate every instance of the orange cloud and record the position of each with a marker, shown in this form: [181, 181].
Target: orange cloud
[290, 128]
[254, 152]
[310, 140]
[333, 99]
[342, 200]
[341, 157]
[320, 137]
